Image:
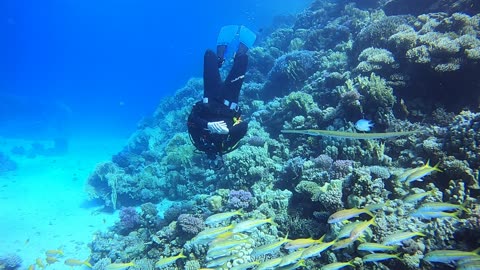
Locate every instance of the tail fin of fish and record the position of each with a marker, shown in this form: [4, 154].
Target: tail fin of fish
[374, 223]
[270, 220]
[369, 213]
[87, 263]
[320, 240]
[286, 238]
[435, 167]
[181, 255]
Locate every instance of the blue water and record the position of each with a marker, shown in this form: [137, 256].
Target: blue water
[97, 67]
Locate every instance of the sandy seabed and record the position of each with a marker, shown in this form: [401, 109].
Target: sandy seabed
[44, 204]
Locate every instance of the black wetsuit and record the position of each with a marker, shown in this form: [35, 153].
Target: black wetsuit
[217, 106]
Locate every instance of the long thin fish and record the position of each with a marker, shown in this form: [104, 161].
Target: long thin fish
[349, 135]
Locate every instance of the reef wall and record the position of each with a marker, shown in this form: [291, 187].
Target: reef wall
[337, 63]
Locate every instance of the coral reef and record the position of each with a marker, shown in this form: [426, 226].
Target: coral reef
[336, 63]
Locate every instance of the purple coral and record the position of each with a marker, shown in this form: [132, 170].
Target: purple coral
[190, 224]
[341, 168]
[129, 218]
[323, 161]
[240, 199]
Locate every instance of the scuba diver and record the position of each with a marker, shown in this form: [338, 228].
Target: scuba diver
[214, 124]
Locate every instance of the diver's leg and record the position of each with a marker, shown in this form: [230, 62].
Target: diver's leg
[234, 80]
[221, 49]
[211, 76]
[242, 49]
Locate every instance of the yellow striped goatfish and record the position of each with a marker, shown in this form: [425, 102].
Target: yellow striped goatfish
[246, 265]
[347, 214]
[470, 263]
[119, 266]
[169, 260]
[250, 224]
[360, 228]
[373, 247]
[337, 265]
[436, 214]
[302, 243]
[209, 234]
[377, 257]
[416, 174]
[440, 206]
[316, 250]
[398, 237]
[269, 264]
[75, 262]
[270, 248]
[217, 218]
[448, 256]
[291, 258]
[413, 198]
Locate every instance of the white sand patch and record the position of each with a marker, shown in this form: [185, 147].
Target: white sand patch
[43, 202]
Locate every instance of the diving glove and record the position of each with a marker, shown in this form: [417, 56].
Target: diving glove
[219, 127]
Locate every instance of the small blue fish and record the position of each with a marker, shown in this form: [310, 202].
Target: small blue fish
[364, 125]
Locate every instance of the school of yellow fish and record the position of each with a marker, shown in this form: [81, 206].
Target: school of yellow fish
[230, 246]
[224, 238]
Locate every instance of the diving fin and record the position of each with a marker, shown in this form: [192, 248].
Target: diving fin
[231, 37]
[227, 34]
[246, 36]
